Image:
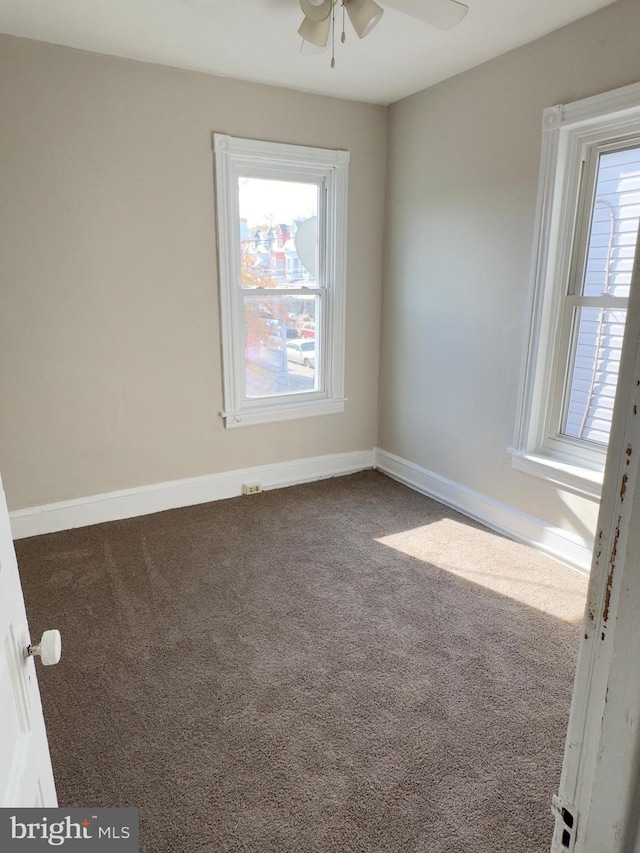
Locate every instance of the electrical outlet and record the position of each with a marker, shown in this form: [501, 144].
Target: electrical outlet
[251, 488]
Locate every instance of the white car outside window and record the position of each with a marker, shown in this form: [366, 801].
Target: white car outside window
[302, 352]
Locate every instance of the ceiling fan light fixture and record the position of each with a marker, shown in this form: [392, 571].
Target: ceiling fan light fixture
[364, 15]
[317, 10]
[315, 32]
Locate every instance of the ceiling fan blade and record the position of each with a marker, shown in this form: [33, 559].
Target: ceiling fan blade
[444, 14]
[315, 32]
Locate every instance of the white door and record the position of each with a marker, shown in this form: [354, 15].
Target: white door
[26, 777]
[598, 804]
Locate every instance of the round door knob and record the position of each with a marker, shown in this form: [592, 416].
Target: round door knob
[49, 648]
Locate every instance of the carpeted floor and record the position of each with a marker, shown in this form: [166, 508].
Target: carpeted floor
[344, 666]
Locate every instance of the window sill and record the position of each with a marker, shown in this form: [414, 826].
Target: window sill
[582, 481]
[274, 414]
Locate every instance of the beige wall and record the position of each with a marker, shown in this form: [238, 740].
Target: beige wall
[109, 327]
[462, 173]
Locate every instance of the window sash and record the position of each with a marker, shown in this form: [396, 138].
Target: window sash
[294, 175]
[556, 440]
[302, 175]
[585, 208]
[320, 391]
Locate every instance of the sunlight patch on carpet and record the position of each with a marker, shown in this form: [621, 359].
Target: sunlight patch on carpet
[498, 564]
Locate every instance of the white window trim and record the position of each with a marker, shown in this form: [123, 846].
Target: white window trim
[234, 156]
[566, 129]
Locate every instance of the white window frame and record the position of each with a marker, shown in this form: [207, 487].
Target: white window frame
[571, 133]
[236, 157]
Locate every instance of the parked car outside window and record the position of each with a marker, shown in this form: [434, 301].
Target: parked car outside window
[302, 352]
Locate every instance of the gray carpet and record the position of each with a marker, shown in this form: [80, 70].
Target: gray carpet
[341, 666]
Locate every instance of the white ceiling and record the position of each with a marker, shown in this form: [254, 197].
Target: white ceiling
[257, 39]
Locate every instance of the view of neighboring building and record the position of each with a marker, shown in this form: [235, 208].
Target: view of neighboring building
[271, 253]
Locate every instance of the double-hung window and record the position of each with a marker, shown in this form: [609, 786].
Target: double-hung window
[282, 261]
[589, 211]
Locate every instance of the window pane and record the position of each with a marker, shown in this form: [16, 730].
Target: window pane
[278, 233]
[593, 374]
[614, 224]
[280, 345]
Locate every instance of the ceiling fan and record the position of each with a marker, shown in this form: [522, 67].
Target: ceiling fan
[319, 16]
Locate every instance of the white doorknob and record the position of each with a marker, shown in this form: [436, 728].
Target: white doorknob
[49, 648]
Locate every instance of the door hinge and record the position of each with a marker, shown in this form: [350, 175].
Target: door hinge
[566, 818]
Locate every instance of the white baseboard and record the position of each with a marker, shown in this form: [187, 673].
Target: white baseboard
[562, 545]
[162, 496]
